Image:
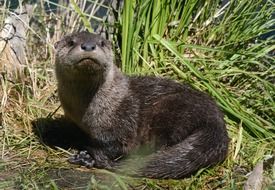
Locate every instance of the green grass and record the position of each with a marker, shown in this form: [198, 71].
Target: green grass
[216, 54]
[216, 49]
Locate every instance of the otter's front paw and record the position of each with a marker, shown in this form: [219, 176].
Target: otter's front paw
[82, 158]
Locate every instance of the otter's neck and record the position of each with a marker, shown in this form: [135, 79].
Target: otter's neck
[112, 91]
[78, 94]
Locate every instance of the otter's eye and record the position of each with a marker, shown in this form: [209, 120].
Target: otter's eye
[102, 43]
[71, 42]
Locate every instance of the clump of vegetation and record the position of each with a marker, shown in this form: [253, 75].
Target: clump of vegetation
[215, 47]
[223, 47]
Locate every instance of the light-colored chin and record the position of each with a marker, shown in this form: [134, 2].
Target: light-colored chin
[86, 62]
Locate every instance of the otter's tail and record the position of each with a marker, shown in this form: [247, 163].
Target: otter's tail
[203, 148]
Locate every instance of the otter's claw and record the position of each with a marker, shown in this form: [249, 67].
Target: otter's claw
[82, 158]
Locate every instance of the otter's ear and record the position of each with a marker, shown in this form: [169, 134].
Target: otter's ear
[56, 44]
[108, 43]
[105, 43]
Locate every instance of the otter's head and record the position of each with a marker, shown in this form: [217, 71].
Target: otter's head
[83, 54]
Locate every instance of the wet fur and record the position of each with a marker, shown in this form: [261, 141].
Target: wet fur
[182, 129]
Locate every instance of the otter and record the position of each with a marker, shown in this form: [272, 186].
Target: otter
[182, 129]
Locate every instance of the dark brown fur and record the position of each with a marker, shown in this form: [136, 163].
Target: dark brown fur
[178, 129]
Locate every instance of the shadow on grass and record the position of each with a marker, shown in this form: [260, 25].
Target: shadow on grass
[59, 133]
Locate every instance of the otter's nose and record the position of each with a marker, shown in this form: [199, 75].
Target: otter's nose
[88, 46]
